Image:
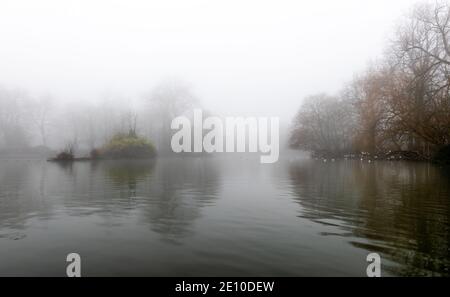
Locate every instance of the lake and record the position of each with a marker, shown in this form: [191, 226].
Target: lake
[207, 216]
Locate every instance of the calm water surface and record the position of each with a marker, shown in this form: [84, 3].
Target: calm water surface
[215, 217]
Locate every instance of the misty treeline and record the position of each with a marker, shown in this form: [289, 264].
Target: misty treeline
[400, 103]
[44, 123]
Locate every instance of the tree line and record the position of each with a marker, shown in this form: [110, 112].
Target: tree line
[399, 103]
[35, 123]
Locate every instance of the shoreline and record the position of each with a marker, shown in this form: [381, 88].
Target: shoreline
[388, 156]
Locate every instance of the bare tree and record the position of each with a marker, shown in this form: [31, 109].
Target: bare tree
[13, 133]
[39, 115]
[166, 101]
[324, 125]
[368, 96]
[422, 59]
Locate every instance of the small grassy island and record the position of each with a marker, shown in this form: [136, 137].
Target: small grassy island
[121, 146]
[126, 146]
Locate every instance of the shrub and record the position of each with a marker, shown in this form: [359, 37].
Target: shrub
[128, 146]
[66, 155]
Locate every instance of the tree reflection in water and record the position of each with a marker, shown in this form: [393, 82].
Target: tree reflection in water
[401, 210]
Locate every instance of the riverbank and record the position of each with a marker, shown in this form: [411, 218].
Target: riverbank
[443, 157]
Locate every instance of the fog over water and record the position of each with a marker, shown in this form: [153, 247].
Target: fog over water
[92, 161]
[240, 57]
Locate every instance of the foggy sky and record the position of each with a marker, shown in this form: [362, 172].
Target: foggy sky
[241, 57]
